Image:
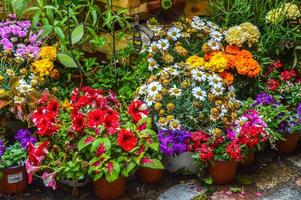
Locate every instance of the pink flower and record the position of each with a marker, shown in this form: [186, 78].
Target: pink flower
[49, 179]
[31, 169]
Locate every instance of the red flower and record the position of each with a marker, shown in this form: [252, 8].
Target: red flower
[126, 139]
[137, 110]
[111, 123]
[251, 135]
[233, 150]
[197, 139]
[78, 122]
[206, 153]
[288, 74]
[37, 153]
[46, 126]
[94, 118]
[273, 84]
[53, 106]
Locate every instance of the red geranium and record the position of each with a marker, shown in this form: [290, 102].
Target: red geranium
[126, 139]
[288, 74]
[273, 84]
[197, 139]
[233, 150]
[137, 110]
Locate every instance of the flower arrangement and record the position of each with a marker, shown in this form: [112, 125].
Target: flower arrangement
[91, 134]
[182, 96]
[284, 12]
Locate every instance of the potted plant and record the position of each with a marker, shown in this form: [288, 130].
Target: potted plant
[219, 153]
[13, 176]
[251, 131]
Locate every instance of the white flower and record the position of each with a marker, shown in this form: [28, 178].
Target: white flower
[152, 64]
[197, 23]
[198, 75]
[163, 44]
[154, 88]
[217, 36]
[174, 33]
[216, 84]
[142, 89]
[175, 124]
[214, 78]
[216, 91]
[198, 93]
[214, 45]
[153, 48]
[171, 70]
[23, 87]
[175, 91]
[19, 100]
[223, 111]
[149, 101]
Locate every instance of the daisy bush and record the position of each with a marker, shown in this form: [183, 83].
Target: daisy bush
[92, 134]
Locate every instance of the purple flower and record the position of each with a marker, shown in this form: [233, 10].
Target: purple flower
[24, 137]
[173, 141]
[2, 148]
[264, 99]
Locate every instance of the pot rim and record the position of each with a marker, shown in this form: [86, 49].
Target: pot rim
[14, 167]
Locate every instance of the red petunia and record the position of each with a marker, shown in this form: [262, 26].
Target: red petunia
[126, 139]
[78, 122]
[137, 110]
[111, 123]
[94, 118]
[53, 106]
[273, 84]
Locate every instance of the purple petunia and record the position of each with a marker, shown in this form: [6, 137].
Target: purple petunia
[2, 148]
[264, 99]
[173, 141]
[24, 137]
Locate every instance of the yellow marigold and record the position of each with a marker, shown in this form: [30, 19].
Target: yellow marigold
[195, 61]
[252, 33]
[167, 58]
[217, 63]
[291, 11]
[42, 67]
[235, 36]
[48, 52]
[180, 50]
[274, 16]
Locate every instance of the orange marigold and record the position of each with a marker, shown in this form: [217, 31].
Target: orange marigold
[227, 77]
[232, 49]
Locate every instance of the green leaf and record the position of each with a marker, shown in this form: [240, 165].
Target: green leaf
[67, 60]
[235, 189]
[77, 34]
[208, 180]
[47, 29]
[154, 164]
[82, 144]
[115, 172]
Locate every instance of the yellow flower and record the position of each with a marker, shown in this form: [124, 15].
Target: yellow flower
[48, 52]
[167, 58]
[218, 63]
[180, 50]
[42, 67]
[170, 106]
[1, 78]
[169, 118]
[162, 120]
[252, 33]
[10, 72]
[195, 61]
[235, 35]
[161, 112]
[292, 11]
[157, 106]
[66, 105]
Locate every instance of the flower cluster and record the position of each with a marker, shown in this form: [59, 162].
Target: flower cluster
[17, 40]
[202, 96]
[284, 12]
[243, 33]
[264, 99]
[174, 142]
[25, 137]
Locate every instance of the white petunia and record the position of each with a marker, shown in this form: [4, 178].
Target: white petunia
[174, 33]
[198, 75]
[199, 94]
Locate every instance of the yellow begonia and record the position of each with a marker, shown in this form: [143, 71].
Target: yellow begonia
[195, 61]
[218, 63]
[42, 67]
[48, 52]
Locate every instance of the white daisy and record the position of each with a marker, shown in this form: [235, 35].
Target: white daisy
[175, 91]
[216, 91]
[214, 78]
[214, 45]
[163, 44]
[142, 89]
[149, 101]
[152, 64]
[19, 100]
[198, 75]
[216, 84]
[175, 124]
[199, 94]
[174, 33]
[217, 36]
[154, 88]
[223, 111]
[153, 48]
[23, 87]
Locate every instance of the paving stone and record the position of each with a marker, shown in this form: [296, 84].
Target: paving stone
[296, 160]
[274, 175]
[181, 192]
[285, 193]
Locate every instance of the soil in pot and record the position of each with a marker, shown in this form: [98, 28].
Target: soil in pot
[222, 172]
[14, 180]
[148, 175]
[288, 145]
[109, 191]
[249, 160]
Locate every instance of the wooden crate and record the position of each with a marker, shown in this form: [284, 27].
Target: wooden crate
[2, 10]
[197, 7]
[124, 3]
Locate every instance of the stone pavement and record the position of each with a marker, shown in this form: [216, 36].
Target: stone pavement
[272, 177]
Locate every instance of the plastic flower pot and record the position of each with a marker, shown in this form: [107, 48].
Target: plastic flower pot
[109, 191]
[182, 163]
[222, 172]
[288, 145]
[249, 160]
[148, 175]
[13, 180]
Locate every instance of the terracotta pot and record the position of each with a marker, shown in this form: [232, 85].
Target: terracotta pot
[107, 191]
[14, 180]
[249, 160]
[288, 145]
[222, 172]
[148, 175]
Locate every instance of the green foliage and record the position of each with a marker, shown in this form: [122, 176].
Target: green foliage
[13, 156]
